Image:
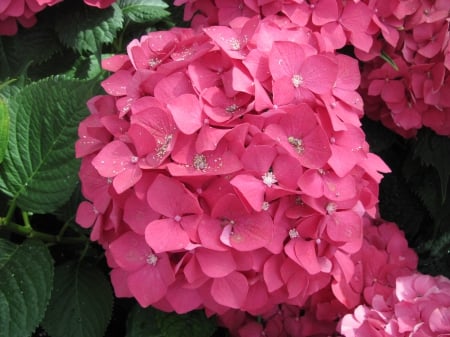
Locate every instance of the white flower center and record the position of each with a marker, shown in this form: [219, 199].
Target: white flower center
[269, 179]
[154, 62]
[293, 233]
[297, 144]
[152, 259]
[200, 163]
[331, 208]
[231, 108]
[297, 80]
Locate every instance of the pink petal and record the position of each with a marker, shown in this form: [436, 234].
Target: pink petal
[86, 214]
[439, 320]
[186, 112]
[171, 198]
[208, 261]
[230, 291]
[183, 300]
[344, 226]
[149, 284]
[311, 183]
[252, 232]
[209, 231]
[173, 86]
[127, 179]
[115, 62]
[130, 251]
[208, 138]
[271, 273]
[116, 84]
[119, 279]
[143, 141]
[251, 189]
[285, 59]
[258, 158]
[137, 214]
[113, 159]
[319, 73]
[166, 235]
[228, 40]
[304, 253]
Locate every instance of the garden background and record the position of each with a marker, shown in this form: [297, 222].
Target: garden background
[55, 276]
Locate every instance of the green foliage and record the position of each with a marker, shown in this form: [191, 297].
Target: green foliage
[81, 303]
[32, 47]
[434, 151]
[144, 11]
[39, 169]
[26, 275]
[153, 323]
[4, 129]
[87, 29]
[415, 194]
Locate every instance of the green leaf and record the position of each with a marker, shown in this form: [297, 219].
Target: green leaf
[144, 11]
[39, 169]
[142, 323]
[389, 60]
[32, 46]
[153, 323]
[26, 279]
[87, 28]
[433, 150]
[81, 303]
[4, 129]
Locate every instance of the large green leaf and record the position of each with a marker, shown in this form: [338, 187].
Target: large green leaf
[30, 47]
[81, 303]
[87, 28]
[153, 323]
[144, 11]
[26, 279]
[39, 170]
[4, 129]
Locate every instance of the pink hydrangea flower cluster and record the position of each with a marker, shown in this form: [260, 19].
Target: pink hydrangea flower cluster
[384, 258]
[418, 305]
[226, 168]
[23, 12]
[413, 35]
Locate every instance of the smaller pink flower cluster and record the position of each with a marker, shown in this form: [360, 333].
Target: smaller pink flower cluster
[226, 169]
[418, 305]
[23, 12]
[411, 90]
[383, 260]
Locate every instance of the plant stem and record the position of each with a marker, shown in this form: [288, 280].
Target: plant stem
[11, 210]
[29, 232]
